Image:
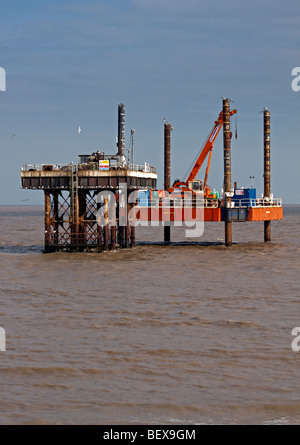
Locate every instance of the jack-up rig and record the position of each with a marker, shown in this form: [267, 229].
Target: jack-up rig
[96, 204]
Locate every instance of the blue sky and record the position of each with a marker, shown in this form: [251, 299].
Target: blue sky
[70, 63]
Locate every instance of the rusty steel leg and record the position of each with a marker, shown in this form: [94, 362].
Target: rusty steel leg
[128, 227]
[126, 240]
[228, 233]
[75, 222]
[55, 216]
[47, 221]
[167, 172]
[267, 171]
[267, 231]
[120, 220]
[106, 237]
[167, 234]
[132, 222]
[81, 215]
[99, 238]
[227, 168]
[132, 243]
[113, 228]
[121, 235]
[131, 228]
[113, 237]
[106, 225]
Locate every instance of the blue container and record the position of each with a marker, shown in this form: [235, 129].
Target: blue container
[144, 198]
[252, 193]
[245, 197]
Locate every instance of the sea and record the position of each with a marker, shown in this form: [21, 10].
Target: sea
[194, 333]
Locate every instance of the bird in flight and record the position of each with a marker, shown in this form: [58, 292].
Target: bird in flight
[79, 130]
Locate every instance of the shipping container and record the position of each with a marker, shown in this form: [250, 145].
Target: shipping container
[244, 197]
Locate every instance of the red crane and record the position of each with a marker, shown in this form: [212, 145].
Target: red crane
[191, 182]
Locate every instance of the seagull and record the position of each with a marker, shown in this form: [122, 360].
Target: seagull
[226, 98]
[79, 130]
[264, 109]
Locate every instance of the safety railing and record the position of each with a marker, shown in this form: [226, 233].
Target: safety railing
[142, 168]
[173, 203]
[146, 168]
[257, 202]
[45, 167]
[209, 203]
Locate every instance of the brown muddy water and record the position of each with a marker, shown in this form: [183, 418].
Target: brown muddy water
[186, 334]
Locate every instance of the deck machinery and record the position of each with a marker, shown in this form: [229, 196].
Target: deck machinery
[96, 203]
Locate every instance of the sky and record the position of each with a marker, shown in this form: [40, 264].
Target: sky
[70, 63]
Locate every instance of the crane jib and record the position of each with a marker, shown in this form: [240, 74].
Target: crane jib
[215, 132]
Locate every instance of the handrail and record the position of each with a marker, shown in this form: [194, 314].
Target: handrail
[257, 202]
[61, 167]
[208, 203]
[44, 167]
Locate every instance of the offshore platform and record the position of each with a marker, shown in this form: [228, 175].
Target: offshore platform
[95, 204]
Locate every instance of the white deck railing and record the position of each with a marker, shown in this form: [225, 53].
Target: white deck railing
[258, 202]
[56, 167]
[209, 203]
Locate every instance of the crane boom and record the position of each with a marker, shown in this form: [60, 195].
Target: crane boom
[207, 147]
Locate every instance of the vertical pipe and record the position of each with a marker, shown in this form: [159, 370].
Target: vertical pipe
[267, 170]
[227, 169]
[121, 131]
[167, 173]
[132, 146]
